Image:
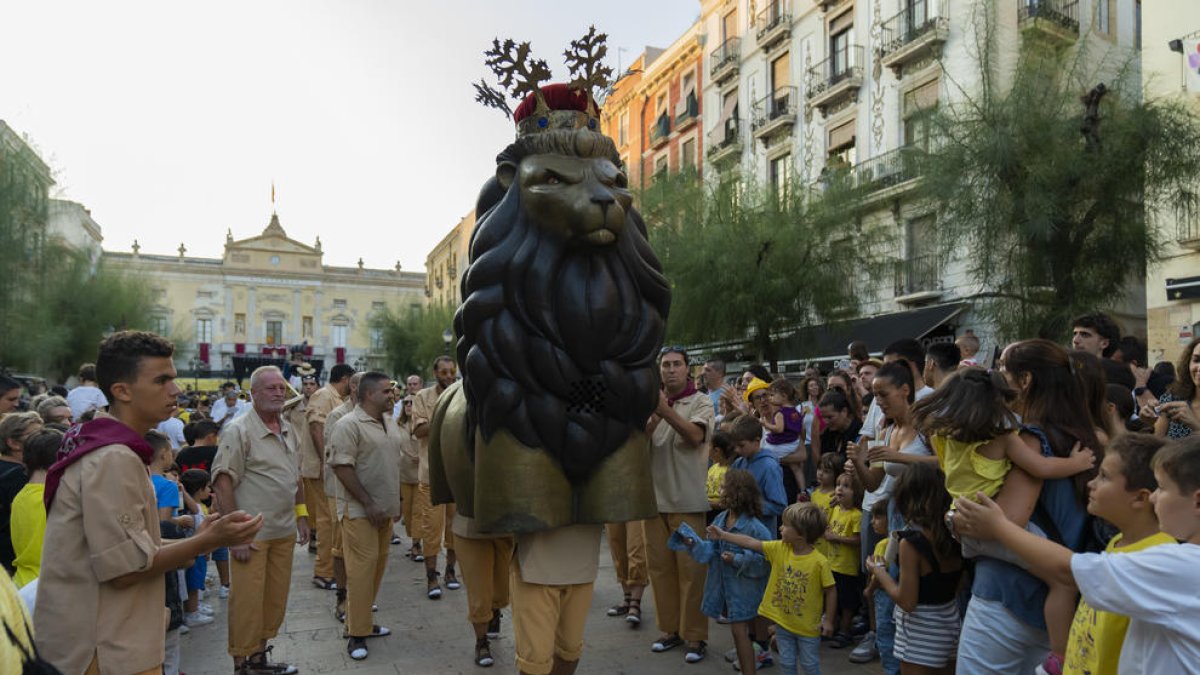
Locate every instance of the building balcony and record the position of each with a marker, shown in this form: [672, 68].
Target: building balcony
[774, 25]
[918, 280]
[775, 113]
[660, 131]
[725, 142]
[688, 114]
[1188, 232]
[725, 60]
[916, 33]
[1057, 20]
[887, 170]
[836, 79]
[827, 5]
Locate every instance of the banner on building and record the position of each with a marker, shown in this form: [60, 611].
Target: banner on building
[1191, 70]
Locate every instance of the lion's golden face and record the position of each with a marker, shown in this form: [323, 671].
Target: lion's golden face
[582, 198]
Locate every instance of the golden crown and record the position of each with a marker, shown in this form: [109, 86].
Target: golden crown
[557, 106]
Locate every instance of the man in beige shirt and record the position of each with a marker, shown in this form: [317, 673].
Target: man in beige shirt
[435, 520]
[310, 474]
[365, 456]
[330, 485]
[316, 409]
[410, 466]
[680, 431]
[256, 470]
[100, 594]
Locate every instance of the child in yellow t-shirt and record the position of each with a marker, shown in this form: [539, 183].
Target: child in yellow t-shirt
[828, 468]
[801, 595]
[882, 625]
[721, 456]
[1120, 494]
[28, 511]
[843, 535]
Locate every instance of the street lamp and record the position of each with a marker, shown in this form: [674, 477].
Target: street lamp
[447, 338]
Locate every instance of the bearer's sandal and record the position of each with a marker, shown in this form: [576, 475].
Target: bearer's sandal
[621, 609]
[258, 663]
[634, 613]
[483, 653]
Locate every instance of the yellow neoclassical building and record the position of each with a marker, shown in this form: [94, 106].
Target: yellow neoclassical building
[267, 294]
[447, 261]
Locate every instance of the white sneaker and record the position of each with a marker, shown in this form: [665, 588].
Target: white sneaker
[184, 630]
[865, 652]
[205, 608]
[196, 619]
[223, 592]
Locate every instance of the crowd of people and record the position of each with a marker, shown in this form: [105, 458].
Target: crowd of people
[927, 508]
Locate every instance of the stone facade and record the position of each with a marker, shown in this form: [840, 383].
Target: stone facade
[795, 87]
[445, 264]
[266, 294]
[1172, 286]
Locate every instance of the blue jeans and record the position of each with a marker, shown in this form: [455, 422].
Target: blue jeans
[994, 641]
[795, 650]
[885, 632]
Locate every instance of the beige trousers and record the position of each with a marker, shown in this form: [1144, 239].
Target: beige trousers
[365, 550]
[258, 594]
[676, 579]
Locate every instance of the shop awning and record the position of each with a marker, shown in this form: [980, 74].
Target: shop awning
[829, 341]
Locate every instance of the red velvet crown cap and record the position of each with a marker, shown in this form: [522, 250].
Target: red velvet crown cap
[558, 97]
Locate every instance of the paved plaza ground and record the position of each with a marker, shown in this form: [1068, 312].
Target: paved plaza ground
[434, 638]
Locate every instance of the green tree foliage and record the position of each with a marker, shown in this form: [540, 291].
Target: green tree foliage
[64, 307]
[1055, 206]
[747, 262]
[413, 338]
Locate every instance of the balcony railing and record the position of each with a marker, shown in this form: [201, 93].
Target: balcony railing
[836, 75]
[724, 61]
[774, 24]
[778, 108]
[1064, 13]
[918, 274]
[687, 114]
[661, 130]
[888, 169]
[724, 138]
[917, 24]
[1187, 222]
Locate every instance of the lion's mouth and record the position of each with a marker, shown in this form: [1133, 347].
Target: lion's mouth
[600, 236]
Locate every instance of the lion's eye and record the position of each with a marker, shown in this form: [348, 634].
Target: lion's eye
[551, 179]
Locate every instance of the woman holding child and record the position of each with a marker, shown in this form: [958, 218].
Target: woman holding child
[1005, 627]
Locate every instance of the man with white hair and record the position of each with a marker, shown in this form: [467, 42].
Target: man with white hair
[256, 470]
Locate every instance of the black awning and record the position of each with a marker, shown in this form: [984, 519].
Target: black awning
[1183, 289]
[829, 341]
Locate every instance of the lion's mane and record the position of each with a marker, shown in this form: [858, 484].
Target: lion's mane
[557, 342]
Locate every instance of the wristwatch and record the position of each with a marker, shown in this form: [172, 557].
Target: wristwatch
[1138, 391]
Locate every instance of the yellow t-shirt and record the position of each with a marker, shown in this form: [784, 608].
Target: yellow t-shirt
[795, 596]
[967, 471]
[845, 523]
[824, 501]
[28, 527]
[712, 484]
[881, 547]
[1094, 646]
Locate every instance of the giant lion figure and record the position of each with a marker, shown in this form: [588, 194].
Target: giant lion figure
[563, 313]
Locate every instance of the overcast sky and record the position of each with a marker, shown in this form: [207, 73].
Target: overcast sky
[170, 120]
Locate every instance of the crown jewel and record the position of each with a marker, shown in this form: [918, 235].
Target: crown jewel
[544, 108]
